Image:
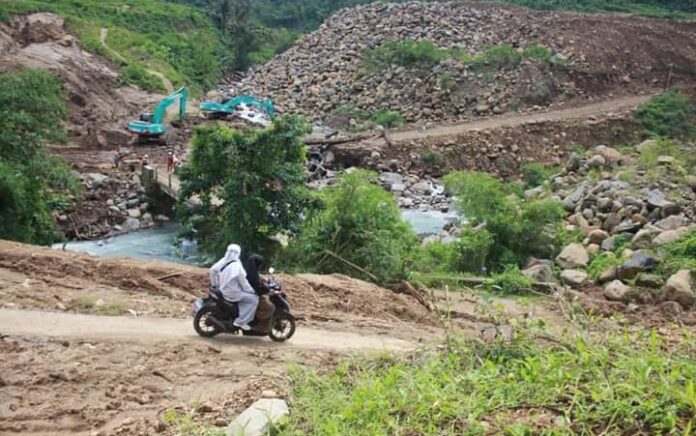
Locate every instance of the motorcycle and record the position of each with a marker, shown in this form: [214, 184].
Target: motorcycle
[214, 315]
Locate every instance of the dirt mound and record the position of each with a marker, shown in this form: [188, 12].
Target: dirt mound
[332, 296]
[99, 106]
[587, 57]
[39, 277]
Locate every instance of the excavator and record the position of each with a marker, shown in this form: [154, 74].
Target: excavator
[150, 127]
[221, 110]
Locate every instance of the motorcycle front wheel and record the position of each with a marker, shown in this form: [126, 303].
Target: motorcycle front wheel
[282, 327]
[203, 325]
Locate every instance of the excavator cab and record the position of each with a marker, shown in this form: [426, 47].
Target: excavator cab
[150, 126]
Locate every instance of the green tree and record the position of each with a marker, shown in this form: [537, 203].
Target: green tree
[32, 182]
[358, 232]
[250, 186]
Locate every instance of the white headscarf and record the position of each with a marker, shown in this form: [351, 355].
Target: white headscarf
[231, 264]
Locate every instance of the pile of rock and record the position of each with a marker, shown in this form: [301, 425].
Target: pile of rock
[324, 71]
[111, 204]
[627, 223]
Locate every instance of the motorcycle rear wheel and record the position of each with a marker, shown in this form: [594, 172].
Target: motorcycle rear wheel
[202, 325]
[282, 327]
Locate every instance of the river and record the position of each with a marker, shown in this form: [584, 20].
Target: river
[158, 243]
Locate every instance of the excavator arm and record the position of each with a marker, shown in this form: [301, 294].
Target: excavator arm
[228, 106]
[152, 125]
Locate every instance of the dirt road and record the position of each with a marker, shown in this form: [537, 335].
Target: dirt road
[143, 330]
[594, 109]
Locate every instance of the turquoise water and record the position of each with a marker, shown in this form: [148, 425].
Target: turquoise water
[158, 243]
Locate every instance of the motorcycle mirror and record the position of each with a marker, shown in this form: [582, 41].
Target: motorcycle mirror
[271, 270]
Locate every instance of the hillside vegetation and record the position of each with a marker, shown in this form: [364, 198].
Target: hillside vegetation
[178, 41]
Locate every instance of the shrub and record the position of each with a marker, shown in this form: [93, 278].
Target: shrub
[510, 281]
[496, 57]
[33, 183]
[470, 251]
[680, 255]
[358, 232]
[668, 114]
[659, 147]
[413, 54]
[519, 229]
[537, 52]
[430, 156]
[388, 118]
[535, 174]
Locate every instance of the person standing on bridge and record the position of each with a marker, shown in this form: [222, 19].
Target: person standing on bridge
[170, 161]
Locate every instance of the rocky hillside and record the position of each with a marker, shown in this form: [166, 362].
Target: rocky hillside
[633, 215]
[569, 58]
[98, 104]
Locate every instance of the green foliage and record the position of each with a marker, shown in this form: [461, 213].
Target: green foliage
[430, 156]
[510, 281]
[32, 112]
[667, 115]
[359, 232]
[519, 229]
[257, 176]
[466, 254]
[136, 75]
[498, 56]
[535, 174]
[537, 52]
[179, 41]
[388, 118]
[680, 255]
[603, 262]
[611, 381]
[660, 147]
[422, 54]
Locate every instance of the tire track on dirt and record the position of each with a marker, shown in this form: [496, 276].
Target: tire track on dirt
[120, 328]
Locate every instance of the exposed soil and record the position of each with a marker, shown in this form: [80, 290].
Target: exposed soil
[99, 106]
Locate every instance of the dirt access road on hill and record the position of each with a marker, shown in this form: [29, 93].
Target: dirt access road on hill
[121, 328]
[578, 112]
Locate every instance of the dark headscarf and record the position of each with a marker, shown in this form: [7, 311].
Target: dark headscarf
[253, 268]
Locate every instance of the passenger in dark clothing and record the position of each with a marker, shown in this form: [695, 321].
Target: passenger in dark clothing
[253, 268]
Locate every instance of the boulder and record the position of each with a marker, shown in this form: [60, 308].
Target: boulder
[608, 275]
[422, 188]
[610, 155]
[398, 188]
[643, 239]
[647, 280]
[656, 199]
[670, 236]
[637, 263]
[573, 256]
[609, 244]
[592, 249]
[673, 222]
[616, 291]
[574, 278]
[671, 309]
[96, 179]
[679, 289]
[597, 236]
[388, 179]
[134, 213]
[132, 224]
[540, 273]
[596, 161]
[259, 418]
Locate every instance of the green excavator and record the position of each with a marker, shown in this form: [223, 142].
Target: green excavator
[150, 127]
[225, 108]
